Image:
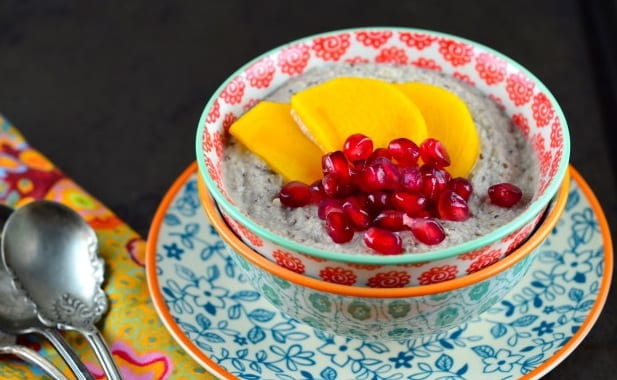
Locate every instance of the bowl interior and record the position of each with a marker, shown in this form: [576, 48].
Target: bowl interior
[524, 98]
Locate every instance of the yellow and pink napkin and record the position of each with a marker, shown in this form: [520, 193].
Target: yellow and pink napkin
[139, 341]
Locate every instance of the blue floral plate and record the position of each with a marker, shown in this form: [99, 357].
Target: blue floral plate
[224, 324]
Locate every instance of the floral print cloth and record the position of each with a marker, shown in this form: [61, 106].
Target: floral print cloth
[140, 343]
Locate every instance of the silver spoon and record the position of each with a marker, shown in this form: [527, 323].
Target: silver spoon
[53, 256]
[9, 347]
[18, 316]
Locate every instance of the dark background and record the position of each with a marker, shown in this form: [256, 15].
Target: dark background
[111, 91]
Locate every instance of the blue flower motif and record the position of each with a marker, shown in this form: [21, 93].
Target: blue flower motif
[575, 266]
[402, 360]
[207, 296]
[173, 251]
[584, 226]
[503, 361]
[548, 309]
[341, 353]
[544, 328]
[239, 339]
[295, 356]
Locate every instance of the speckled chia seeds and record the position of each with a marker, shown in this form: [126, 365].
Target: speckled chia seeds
[505, 156]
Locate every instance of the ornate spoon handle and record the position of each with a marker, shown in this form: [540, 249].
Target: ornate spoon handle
[34, 358]
[97, 342]
[67, 352]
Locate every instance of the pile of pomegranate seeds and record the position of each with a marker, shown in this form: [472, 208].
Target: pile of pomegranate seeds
[381, 192]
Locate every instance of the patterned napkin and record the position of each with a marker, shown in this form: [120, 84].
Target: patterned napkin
[140, 343]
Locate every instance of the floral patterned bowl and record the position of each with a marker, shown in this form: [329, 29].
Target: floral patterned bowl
[383, 314]
[524, 98]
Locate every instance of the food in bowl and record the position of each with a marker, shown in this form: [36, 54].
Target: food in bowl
[383, 314]
[505, 156]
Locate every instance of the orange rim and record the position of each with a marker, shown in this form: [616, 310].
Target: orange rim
[153, 283]
[189, 346]
[594, 313]
[356, 291]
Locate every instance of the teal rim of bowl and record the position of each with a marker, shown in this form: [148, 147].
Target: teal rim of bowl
[406, 258]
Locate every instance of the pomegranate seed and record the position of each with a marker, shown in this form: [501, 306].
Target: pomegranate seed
[356, 211]
[327, 206]
[434, 181]
[404, 151]
[295, 194]
[427, 231]
[461, 186]
[434, 153]
[378, 201]
[338, 227]
[380, 174]
[379, 153]
[505, 194]
[452, 206]
[317, 192]
[383, 241]
[336, 163]
[358, 147]
[392, 220]
[414, 204]
[410, 178]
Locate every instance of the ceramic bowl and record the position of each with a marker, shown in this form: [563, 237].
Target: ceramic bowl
[383, 314]
[523, 97]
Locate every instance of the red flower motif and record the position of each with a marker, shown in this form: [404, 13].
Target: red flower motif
[375, 39]
[464, 77]
[539, 144]
[484, 261]
[228, 120]
[207, 142]
[473, 254]
[522, 123]
[543, 112]
[293, 60]
[338, 275]
[357, 59]
[287, 260]
[233, 93]
[555, 163]
[214, 113]
[250, 104]
[331, 48]
[519, 88]
[491, 69]
[457, 53]
[497, 100]
[392, 55]
[417, 40]
[217, 143]
[363, 266]
[438, 274]
[392, 279]
[261, 73]
[214, 174]
[518, 238]
[427, 63]
[556, 135]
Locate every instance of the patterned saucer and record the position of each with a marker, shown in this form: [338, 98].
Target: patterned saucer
[225, 325]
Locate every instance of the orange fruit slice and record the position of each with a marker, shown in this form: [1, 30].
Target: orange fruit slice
[448, 120]
[269, 131]
[333, 110]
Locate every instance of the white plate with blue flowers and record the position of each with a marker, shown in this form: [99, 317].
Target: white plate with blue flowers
[223, 323]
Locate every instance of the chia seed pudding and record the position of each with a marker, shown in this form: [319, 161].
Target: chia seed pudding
[505, 156]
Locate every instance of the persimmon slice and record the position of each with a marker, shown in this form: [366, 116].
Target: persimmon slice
[333, 110]
[269, 131]
[448, 120]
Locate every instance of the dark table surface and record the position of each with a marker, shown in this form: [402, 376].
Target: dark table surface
[112, 91]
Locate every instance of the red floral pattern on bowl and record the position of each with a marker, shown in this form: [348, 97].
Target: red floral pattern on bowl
[523, 98]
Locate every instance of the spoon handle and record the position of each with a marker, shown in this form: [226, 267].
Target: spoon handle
[67, 352]
[102, 352]
[34, 358]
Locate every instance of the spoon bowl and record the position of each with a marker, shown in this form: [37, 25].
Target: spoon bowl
[52, 254]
